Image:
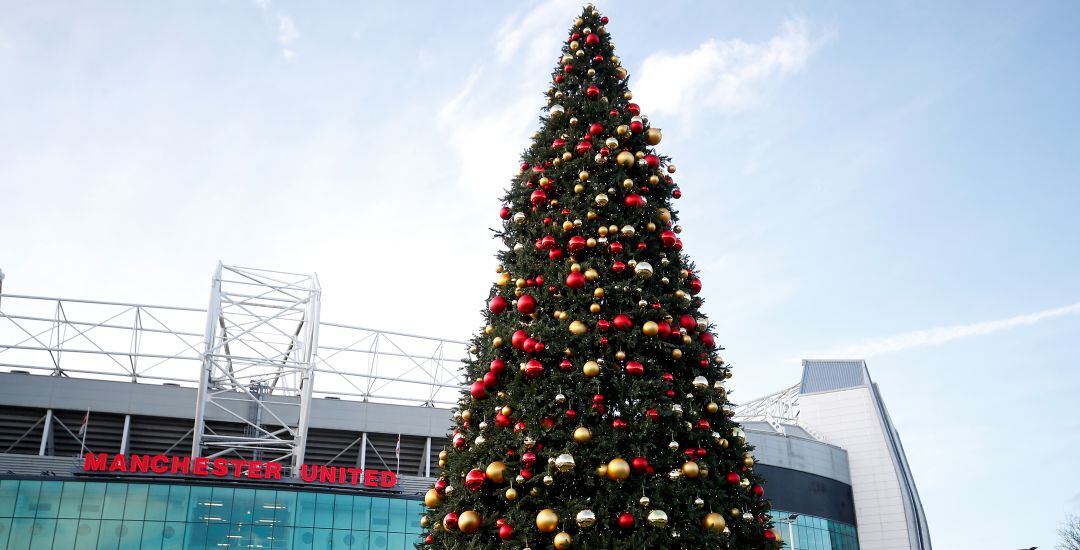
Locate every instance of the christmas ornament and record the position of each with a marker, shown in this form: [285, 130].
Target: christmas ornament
[577, 328]
[496, 472]
[650, 328]
[658, 519]
[564, 463]
[506, 532]
[432, 498]
[653, 136]
[547, 520]
[563, 540]
[585, 518]
[526, 304]
[626, 520]
[582, 435]
[714, 522]
[618, 469]
[625, 159]
[469, 522]
[591, 368]
[450, 521]
[474, 480]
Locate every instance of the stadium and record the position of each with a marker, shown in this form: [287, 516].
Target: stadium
[255, 424]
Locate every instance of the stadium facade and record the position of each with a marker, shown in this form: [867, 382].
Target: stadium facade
[253, 424]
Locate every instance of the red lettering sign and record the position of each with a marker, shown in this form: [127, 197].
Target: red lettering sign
[202, 466]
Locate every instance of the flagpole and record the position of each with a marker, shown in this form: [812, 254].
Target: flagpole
[85, 428]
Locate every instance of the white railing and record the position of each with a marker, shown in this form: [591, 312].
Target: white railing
[164, 344]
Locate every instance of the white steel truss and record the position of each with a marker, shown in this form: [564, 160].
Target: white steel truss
[262, 330]
[778, 409]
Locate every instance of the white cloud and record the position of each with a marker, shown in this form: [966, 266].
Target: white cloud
[726, 75]
[941, 335]
[287, 34]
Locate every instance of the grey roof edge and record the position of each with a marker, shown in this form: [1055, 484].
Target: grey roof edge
[829, 375]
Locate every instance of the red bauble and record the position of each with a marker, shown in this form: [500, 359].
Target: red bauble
[707, 340]
[519, 427]
[592, 92]
[652, 414]
[758, 490]
[618, 267]
[529, 345]
[575, 280]
[622, 321]
[533, 369]
[603, 325]
[676, 193]
[504, 213]
[441, 484]
[429, 540]
[639, 464]
[619, 424]
[459, 441]
[596, 129]
[555, 254]
[565, 365]
[668, 377]
[636, 126]
[547, 423]
[626, 520]
[558, 143]
[598, 398]
[506, 532]
[615, 247]
[571, 414]
[498, 304]
[559, 78]
[695, 286]
[568, 69]
[517, 340]
[733, 478]
[526, 304]
[538, 197]
[592, 39]
[702, 424]
[634, 368]
[497, 366]
[502, 421]
[576, 243]
[652, 161]
[633, 108]
[604, 20]
[528, 458]
[769, 535]
[701, 452]
[527, 474]
[474, 480]
[450, 521]
[478, 390]
[664, 329]
[633, 200]
[583, 147]
[688, 322]
[547, 243]
[524, 166]
[667, 238]
[490, 380]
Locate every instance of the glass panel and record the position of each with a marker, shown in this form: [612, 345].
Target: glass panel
[115, 496]
[397, 515]
[285, 509]
[262, 535]
[377, 541]
[5, 528]
[343, 511]
[323, 538]
[26, 500]
[195, 535]
[49, 499]
[178, 503]
[21, 530]
[380, 510]
[66, 531]
[44, 529]
[219, 506]
[217, 534]
[240, 534]
[397, 541]
[361, 513]
[324, 511]
[242, 504]
[157, 502]
[86, 537]
[93, 499]
[131, 535]
[109, 536]
[344, 539]
[282, 536]
[198, 507]
[9, 491]
[305, 509]
[263, 509]
[413, 509]
[135, 507]
[71, 501]
[172, 536]
[152, 534]
[361, 540]
[303, 537]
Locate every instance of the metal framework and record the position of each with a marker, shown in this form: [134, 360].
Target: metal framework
[258, 355]
[778, 409]
[262, 329]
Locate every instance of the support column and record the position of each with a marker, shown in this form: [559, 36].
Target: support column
[46, 433]
[427, 457]
[363, 451]
[125, 438]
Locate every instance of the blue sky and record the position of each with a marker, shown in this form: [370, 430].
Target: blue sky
[897, 180]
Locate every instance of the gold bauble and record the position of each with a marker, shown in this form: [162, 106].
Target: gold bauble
[466, 415]
[591, 368]
[502, 279]
[547, 520]
[671, 168]
[601, 200]
[582, 434]
[658, 519]
[583, 175]
[469, 522]
[712, 407]
[496, 472]
[591, 274]
[748, 460]
[618, 469]
[598, 292]
[567, 225]
[651, 227]
[735, 512]
[714, 522]
[601, 470]
[628, 95]
[594, 308]
[549, 481]
[443, 455]
[432, 498]
[577, 328]
[620, 355]
[676, 353]
[686, 339]
[590, 242]
[621, 73]
[506, 410]
[585, 518]
[690, 469]
[511, 494]
[424, 521]
[625, 159]
[579, 189]
[650, 328]
[622, 130]
[563, 540]
[653, 136]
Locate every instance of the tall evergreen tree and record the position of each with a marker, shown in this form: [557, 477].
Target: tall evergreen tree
[597, 415]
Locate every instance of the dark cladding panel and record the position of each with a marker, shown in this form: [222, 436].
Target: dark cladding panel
[803, 493]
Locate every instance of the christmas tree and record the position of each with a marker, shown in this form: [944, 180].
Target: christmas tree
[597, 414]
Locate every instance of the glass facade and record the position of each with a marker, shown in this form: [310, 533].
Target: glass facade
[39, 514]
[814, 533]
